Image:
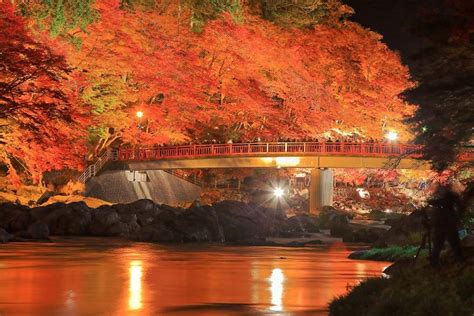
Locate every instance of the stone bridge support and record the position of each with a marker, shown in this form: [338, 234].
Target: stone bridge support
[321, 189]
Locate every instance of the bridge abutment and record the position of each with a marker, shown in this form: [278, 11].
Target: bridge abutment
[321, 189]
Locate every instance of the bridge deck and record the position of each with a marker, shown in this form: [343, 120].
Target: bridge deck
[270, 155]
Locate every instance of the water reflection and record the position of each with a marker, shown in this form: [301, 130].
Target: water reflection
[276, 288]
[135, 288]
[100, 277]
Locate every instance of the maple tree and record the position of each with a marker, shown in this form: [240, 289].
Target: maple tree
[222, 69]
[40, 129]
[251, 78]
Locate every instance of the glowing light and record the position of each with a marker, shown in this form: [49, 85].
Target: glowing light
[135, 290]
[278, 192]
[139, 114]
[391, 135]
[363, 193]
[276, 288]
[388, 210]
[287, 161]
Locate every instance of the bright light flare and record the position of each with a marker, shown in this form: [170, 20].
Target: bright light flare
[135, 290]
[391, 136]
[276, 287]
[278, 192]
[139, 114]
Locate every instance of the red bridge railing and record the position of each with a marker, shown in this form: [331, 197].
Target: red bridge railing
[263, 149]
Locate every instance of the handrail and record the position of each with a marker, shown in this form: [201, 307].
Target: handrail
[94, 168]
[253, 149]
[183, 176]
[259, 149]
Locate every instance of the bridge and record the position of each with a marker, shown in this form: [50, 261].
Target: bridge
[321, 157]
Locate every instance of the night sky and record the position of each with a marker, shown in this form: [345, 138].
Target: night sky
[394, 19]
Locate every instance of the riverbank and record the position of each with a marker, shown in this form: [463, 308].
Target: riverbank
[227, 221]
[414, 289]
[231, 222]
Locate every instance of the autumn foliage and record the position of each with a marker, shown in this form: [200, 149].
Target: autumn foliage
[40, 117]
[243, 73]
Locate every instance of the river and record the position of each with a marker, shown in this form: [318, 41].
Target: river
[98, 276]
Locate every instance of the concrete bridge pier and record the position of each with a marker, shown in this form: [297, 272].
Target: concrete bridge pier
[321, 189]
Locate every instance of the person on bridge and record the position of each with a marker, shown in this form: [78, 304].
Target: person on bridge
[446, 209]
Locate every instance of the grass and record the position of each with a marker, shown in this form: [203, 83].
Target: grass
[388, 254]
[448, 291]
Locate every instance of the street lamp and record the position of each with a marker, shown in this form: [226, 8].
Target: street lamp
[278, 192]
[139, 115]
[392, 136]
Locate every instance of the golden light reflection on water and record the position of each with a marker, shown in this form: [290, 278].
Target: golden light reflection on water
[135, 288]
[276, 287]
[113, 279]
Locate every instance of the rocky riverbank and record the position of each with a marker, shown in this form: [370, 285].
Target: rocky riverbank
[227, 221]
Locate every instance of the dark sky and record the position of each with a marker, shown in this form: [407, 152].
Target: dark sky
[393, 19]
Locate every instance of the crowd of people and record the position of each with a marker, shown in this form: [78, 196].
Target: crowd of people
[306, 139]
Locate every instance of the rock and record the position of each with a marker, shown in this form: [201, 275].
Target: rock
[142, 205]
[5, 236]
[299, 224]
[403, 231]
[340, 229]
[118, 229]
[201, 224]
[78, 220]
[156, 233]
[44, 197]
[38, 230]
[104, 223]
[243, 222]
[330, 218]
[65, 219]
[14, 217]
[362, 235]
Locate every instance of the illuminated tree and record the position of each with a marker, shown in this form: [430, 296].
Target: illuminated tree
[250, 78]
[40, 126]
[244, 73]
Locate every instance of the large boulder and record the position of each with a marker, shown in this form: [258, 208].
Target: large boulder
[332, 218]
[105, 222]
[14, 217]
[65, 219]
[78, 220]
[199, 224]
[299, 224]
[156, 233]
[38, 230]
[5, 236]
[242, 222]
